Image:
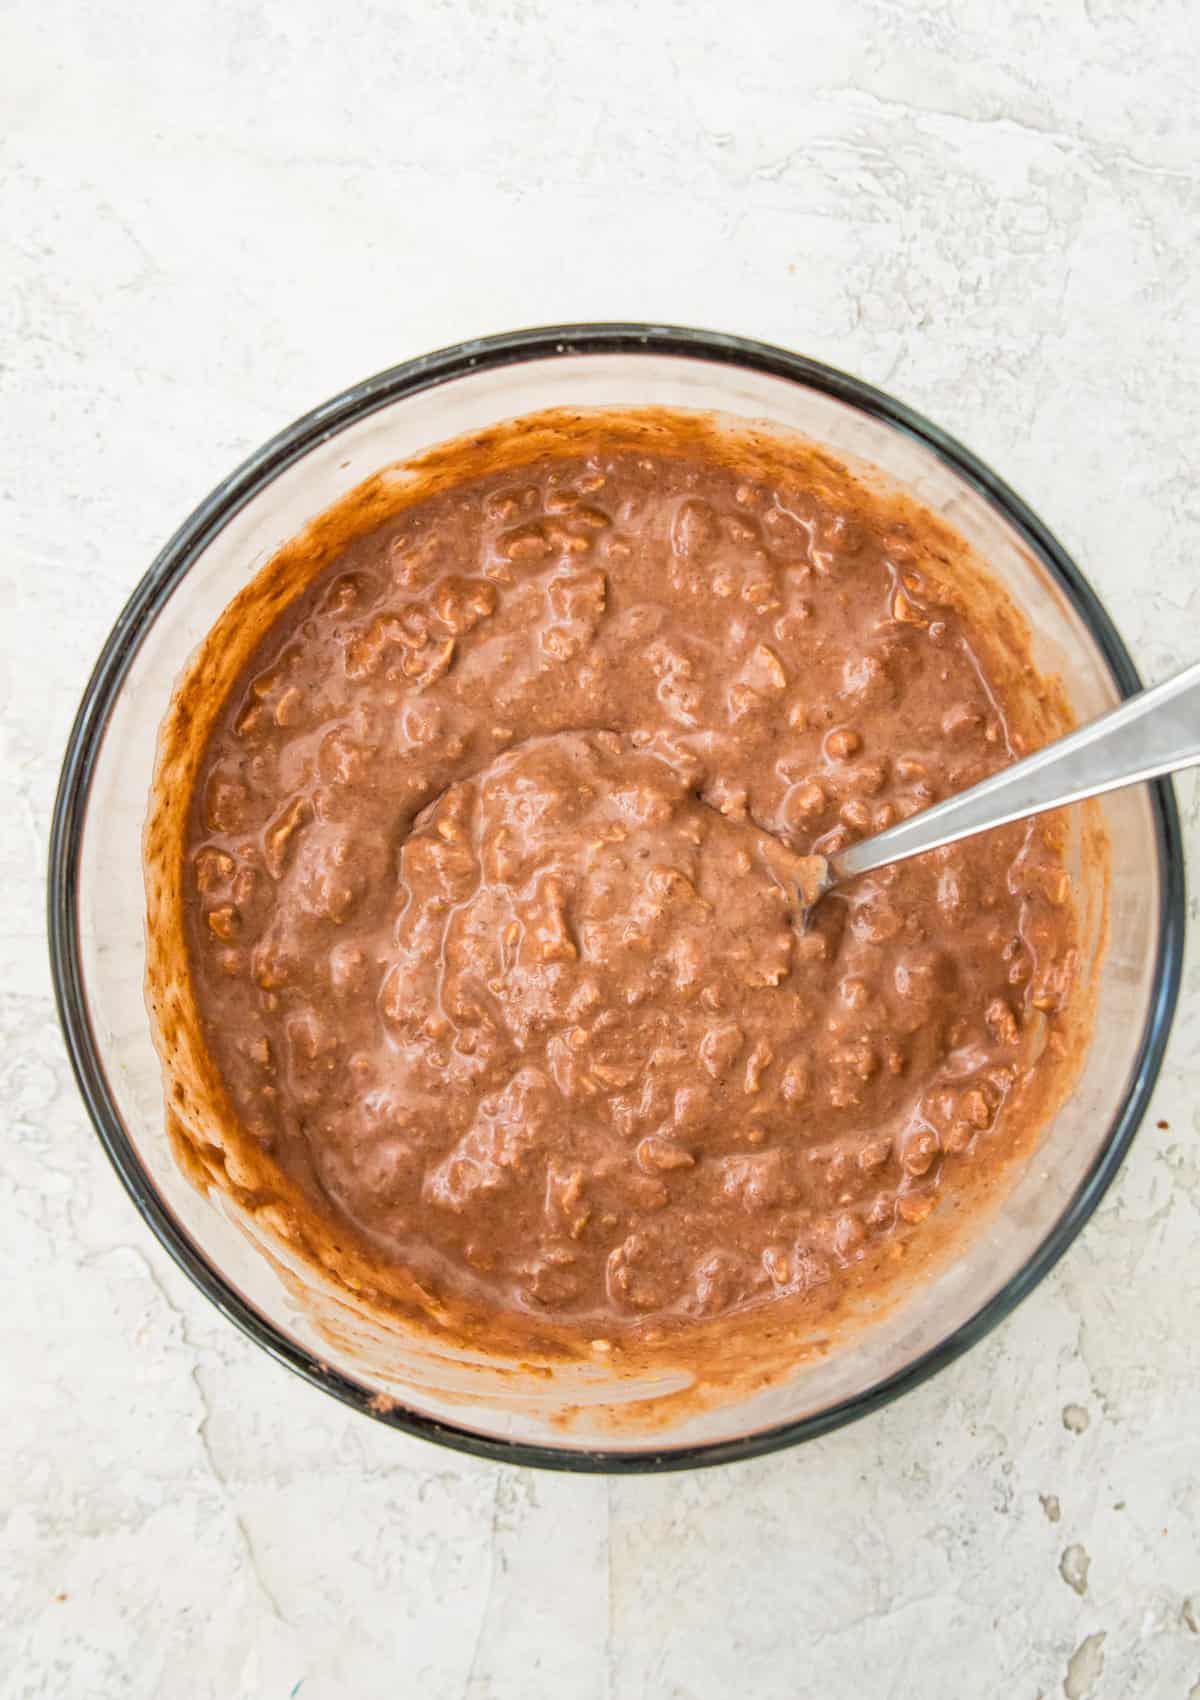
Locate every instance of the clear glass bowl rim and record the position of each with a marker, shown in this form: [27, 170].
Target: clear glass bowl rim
[177, 558]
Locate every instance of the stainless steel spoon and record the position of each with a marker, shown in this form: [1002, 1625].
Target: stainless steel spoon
[1155, 732]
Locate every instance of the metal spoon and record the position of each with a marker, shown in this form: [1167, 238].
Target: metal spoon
[1155, 732]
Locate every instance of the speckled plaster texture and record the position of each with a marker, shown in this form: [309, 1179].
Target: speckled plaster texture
[214, 218]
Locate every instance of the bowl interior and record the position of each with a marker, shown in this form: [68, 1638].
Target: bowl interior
[99, 849]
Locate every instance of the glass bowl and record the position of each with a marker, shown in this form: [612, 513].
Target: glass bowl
[96, 901]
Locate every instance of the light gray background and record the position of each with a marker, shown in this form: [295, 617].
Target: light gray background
[209, 224]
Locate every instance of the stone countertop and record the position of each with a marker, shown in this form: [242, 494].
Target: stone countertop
[993, 211]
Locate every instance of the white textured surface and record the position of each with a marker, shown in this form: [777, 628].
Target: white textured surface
[210, 225]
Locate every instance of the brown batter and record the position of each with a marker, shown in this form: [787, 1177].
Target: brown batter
[491, 890]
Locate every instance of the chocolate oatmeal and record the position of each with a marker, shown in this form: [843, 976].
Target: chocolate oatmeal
[491, 881]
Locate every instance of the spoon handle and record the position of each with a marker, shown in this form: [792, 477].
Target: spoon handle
[1157, 731]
